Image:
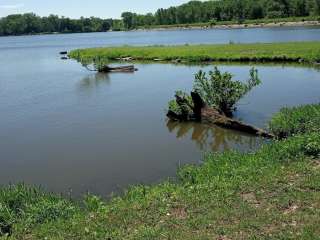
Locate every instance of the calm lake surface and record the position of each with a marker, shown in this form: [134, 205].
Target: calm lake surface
[65, 128]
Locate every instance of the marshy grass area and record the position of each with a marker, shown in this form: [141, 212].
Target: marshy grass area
[299, 52]
[273, 193]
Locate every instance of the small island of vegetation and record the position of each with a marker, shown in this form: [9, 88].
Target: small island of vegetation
[299, 52]
[213, 101]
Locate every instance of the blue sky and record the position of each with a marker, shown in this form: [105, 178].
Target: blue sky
[87, 8]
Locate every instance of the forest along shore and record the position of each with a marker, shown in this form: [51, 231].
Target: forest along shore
[265, 23]
[299, 52]
[222, 25]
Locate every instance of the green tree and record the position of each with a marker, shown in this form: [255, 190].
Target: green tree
[128, 20]
[300, 8]
[33, 23]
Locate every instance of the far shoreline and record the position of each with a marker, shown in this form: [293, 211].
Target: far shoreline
[200, 26]
[233, 26]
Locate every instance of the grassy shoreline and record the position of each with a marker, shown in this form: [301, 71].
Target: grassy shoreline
[299, 52]
[273, 193]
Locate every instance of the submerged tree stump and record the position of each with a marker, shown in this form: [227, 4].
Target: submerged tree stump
[202, 112]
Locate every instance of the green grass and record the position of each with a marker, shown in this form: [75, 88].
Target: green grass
[308, 52]
[273, 193]
[25, 207]
[297, 120]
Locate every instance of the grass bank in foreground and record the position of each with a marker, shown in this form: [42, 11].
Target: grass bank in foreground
[308, 52]
[273, 193]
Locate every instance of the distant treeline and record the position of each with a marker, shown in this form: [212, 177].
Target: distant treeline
[193, 12]
[30, 23]
[223, 10]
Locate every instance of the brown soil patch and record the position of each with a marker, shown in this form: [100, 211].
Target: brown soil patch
[291, 209]
[179, 213]
[250, 198]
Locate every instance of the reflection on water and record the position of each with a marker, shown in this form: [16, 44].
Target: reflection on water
[94, 80]
[98, 79]
[213, 138]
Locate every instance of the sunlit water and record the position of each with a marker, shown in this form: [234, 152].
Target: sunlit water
[64, 128]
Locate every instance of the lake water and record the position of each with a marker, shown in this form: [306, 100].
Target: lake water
[65, 128]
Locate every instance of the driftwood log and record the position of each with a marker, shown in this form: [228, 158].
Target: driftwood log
[202, 112]
[106, 69]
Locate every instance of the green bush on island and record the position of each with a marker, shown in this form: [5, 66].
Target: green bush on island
[219, 91]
